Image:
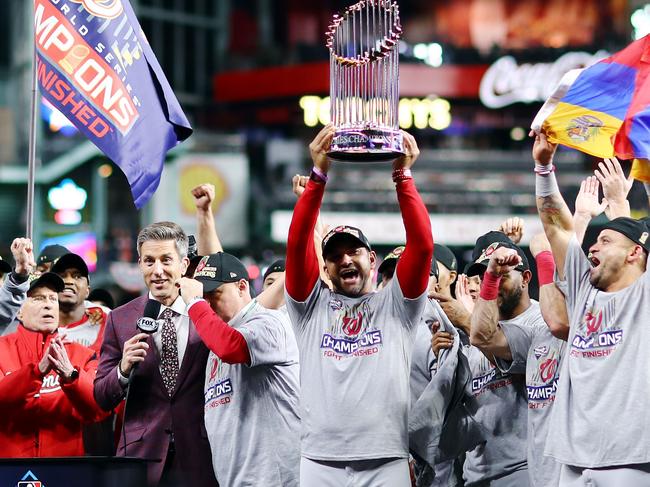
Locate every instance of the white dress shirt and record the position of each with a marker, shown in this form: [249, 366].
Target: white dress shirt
[182, 325]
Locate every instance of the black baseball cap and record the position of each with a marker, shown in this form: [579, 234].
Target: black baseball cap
[484, 241]
[343, 232]
[70, 261]
[445, 256]
[434, 271]
[103, 296]
[277, 266]
[49, 279]
[50, 253]
[479, 266]
[217, 269]
[391, 259]
[635, 230]
[5, 267]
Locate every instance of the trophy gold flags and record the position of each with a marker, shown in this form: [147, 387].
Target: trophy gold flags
[364, 82]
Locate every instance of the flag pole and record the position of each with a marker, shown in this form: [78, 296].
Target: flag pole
[32, 151]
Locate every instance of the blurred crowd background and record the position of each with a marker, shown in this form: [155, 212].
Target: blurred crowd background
[252, 76]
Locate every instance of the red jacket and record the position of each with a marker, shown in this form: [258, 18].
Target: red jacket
[39, 417]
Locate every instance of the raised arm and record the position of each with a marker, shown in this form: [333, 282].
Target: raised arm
[414, 264]
[14, 290]
[299, 184]
[553, 211]
[486, 334]
[208, 240]
[615, 187]
[587, 206]
[273, 296]
[301, 263]
[552, 302]
[226, 342]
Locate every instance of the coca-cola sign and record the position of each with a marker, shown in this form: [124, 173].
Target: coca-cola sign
[506, 82]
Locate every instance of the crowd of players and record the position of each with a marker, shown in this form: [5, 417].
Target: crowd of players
[344, 371]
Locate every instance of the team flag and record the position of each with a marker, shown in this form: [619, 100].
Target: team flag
[95, 66]
[604, 110]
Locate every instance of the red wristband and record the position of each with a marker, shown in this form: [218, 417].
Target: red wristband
[545, 267]
[490, 286]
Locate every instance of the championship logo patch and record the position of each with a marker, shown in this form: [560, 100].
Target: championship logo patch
[336, 304]
[539, 351]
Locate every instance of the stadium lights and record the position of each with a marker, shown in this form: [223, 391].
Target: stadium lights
[640, 20]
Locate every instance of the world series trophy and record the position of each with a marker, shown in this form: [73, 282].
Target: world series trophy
[364, 82]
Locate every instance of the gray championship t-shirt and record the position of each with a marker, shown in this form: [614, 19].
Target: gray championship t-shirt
[600, 417]
[252, 412]
[538, 353]
[423, 367]
[502, 410]
[355, 359]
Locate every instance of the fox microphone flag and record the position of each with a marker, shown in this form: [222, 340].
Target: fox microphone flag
[94, 65]
[604, 110]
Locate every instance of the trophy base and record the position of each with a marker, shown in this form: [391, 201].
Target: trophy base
[366, 145]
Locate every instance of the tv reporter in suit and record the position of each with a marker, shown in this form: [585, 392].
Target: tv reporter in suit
[164, 414]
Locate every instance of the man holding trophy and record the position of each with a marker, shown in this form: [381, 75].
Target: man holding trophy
[355, 344]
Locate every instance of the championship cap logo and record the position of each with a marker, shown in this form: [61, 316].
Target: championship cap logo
[202, 264]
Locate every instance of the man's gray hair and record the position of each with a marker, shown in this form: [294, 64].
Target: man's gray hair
[162, 231]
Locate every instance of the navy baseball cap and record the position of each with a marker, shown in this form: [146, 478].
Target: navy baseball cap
[445, 256]
[218, 269]
[103, 296]
[391, 259]
[480, 265]
[635, 230]
[49, 279]
[277, 266]
[70, 261]
[434, 271]
[343, 232]
[5, 267]
[50, 253]
[484, 241]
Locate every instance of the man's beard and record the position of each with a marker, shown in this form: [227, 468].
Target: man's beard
[510, 302]
[67, 307]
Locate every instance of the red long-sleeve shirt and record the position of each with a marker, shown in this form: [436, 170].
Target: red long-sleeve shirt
[39, 416]
[414, 264]
[227, 343]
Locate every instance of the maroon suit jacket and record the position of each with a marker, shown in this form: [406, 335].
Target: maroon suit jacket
[152, 416]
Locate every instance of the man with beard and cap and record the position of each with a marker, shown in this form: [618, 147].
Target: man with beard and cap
[46, 384]
[252, 377]
[599, 422]
[501, 396]
[355, 344]
[518, 340]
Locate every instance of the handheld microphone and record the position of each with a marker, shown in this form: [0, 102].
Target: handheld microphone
[149, 321]
[147, 324]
